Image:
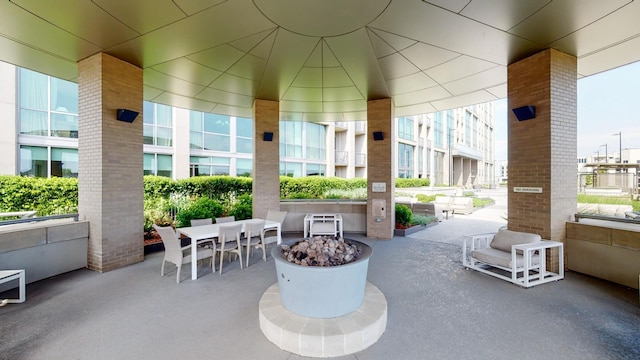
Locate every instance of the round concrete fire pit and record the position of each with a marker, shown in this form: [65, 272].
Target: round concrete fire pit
[322, 292]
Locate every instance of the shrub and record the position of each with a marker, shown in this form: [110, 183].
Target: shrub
[158, 187]
[157, 211]
[403, 214]
[422, 219]
[482, 202]
[242, 208]
[46, 196]
[405, 183]
[201, 208]
[425, 198]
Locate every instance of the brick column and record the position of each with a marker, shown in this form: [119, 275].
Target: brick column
[110, 184]
[542, 151]
[266, 157]
[381, 155]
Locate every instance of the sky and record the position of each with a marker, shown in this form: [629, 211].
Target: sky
[608, 103]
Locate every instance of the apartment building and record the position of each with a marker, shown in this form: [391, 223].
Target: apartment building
[40, 138]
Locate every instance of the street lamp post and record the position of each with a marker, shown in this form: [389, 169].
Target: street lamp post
[606, 154]
[619, 135]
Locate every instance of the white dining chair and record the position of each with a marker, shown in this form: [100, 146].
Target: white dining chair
[178, 255]
[254, 238]
[277, 216]
[211, 242]
[229, 238]
[225, 219]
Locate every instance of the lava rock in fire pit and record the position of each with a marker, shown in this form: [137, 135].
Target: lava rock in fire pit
[321, 251]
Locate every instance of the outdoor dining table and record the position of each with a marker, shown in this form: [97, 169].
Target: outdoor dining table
[197, 233]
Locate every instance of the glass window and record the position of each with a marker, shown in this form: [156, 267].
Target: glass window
[33, 161]
[315, 170]
[244, 135]
[163, 115]
[158, 122]
[405, 161]
[244, 127]
[405, 128]
[316, 142]
[291, 139]
[437, 130]
[64, 96]
[147, 134]
[195, 121]
[149, 164]
[64, 125]
[33, 122]
[221, 166]
[157, 164]
[216, 142]
[200, 166]
[164, 165]
[244, 146]
[148, 112]
[290, 169]
[164, 136]
[64, 162]
[215, 123]
[33, 90]
[244, 167]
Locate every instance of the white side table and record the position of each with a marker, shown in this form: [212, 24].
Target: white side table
[9, 275]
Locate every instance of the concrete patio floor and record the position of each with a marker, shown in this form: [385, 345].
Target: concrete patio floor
[436, 310]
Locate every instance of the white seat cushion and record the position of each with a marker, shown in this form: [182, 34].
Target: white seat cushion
[504, 239]
[501, 258]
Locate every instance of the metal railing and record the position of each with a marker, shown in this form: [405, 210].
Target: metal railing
[342, 157]
[361, 159]
[41, 218]
[632, 218]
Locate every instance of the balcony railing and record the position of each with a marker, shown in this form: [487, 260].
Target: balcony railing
[340, 125]
[342, 158]
[361, 159]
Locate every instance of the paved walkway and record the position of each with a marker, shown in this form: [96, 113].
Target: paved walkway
[436, 310]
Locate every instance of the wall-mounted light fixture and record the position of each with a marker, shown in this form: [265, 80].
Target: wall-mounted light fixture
[525, 112]
[378, 135]
[267, 136]
[126, 115]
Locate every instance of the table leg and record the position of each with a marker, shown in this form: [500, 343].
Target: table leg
[194, 259]
[279, 234]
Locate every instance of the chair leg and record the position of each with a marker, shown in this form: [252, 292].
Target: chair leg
[178, 274]
[221, 261]
[264, 252]
[162, 268]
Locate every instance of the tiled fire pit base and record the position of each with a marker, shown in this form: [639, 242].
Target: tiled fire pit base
[323, 337]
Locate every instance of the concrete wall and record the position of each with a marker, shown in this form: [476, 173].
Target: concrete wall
[44, 249]
[604, 249]
[353, 214]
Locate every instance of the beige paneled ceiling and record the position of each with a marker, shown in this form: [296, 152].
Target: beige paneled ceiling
[321, 59]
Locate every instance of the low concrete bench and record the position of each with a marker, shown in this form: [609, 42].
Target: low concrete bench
[517, 257]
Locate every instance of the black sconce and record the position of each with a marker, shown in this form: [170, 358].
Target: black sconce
[525, 112]
[267, 136]
[378, 135]
[126, 115]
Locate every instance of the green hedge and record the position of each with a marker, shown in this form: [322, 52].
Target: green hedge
[60, 195]
[406, 183]
[46, 196]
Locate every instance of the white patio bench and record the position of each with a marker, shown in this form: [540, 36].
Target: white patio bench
[10, 275]
[517, 257]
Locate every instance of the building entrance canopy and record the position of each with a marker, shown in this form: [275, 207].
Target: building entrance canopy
[320, 60]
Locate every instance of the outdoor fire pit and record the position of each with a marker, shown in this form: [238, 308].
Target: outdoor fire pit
[322, 286]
